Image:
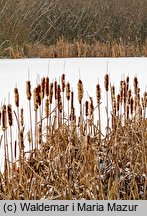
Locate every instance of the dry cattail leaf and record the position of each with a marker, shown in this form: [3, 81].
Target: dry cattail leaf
[106, 82]
[28, 90]
[80, 91]
[68, 91]
[10, 117]
[16, 95]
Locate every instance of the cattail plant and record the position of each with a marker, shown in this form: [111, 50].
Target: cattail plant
[10, 120]
[80, 97]
[29, 95]
[68, 97]
[4, 128]
[98, 97]
[16, 96]
[106, 85]
[47, 86]
[63, 90]
[59, 100]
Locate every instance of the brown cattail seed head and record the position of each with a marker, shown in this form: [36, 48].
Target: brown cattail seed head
[135, 84]
[42, 88]
[21, 138]
[118, 102]
[51, 93]
[131, 105]
[106, 82]
[35, 103]
[47, 108]
[127, 112]
[114, 107]
[21, 117]
[124, 92]
[0, 117]
[145, 98]
[72, 114]
[58, 93]
[129, 96]
[28, 90]
[63, 82]
[72, 99]
[86, 108]
[4, 118]
[91, 106]
[55, 90]
[47, 86]
[68, 91]
[112, 93]
[40, 134]
[80, 91]
[98, 93]
[29, 136]
[10, 117]
[16, 95]
[127, 83]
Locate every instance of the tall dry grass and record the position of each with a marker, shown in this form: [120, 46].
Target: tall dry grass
[70, 156]
[78, 48]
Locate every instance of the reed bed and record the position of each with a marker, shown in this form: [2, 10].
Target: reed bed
[70, 156]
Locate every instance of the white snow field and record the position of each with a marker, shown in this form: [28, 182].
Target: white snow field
[90, 70]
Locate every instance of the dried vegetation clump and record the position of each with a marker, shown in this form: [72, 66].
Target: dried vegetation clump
[70, 156]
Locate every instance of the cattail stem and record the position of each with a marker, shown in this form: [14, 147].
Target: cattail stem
[30, 112]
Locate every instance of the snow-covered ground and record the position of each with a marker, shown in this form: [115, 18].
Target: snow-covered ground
[90, 70]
